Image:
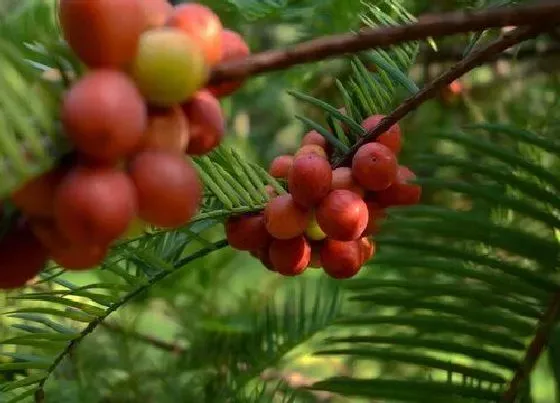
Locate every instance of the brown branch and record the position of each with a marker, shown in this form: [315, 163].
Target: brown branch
[158, 343]
[535, 349]
[431, 89]
[436, 25]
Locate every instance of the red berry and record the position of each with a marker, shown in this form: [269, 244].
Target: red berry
[367, 247]
[374, 166]
[314, 138]
[391, 138]
[309, 179]
[263, 256]
[247, 232]
[206, 123]
[341, 260]
[342, 179]
[79, 257]
[233, 47]
[342, 215]
[22, 256]
[376, 214]
[311, 149]
[290, 257]
[280, 166]
[284, 219]
[401, 193]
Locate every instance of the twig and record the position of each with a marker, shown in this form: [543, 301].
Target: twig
[535, 349]
[436, 25]
[474, 59]
[154, 341]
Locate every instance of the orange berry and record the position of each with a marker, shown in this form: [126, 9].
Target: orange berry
[284, 219]
[311, 149]
[167, 130]
[374, 166]
[391, 138]
[401, 193]
[280, 166]
[342, 215]
[313, 137]
[206, 123]
[290, 257]
[342, 179]
[247, 232]
[309, 179]
[341, 260]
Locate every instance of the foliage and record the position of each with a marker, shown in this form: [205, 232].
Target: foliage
[444, 312]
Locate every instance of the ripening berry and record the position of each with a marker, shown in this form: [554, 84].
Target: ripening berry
[367, 247]
[36, 197]
[374, 166]
[391, 138]
[247, 232]
[104, 115]
[311, 149]
[280, 166]
[313, 231]
[342, 178]
[314, 138]
[234, 47]
[206, 123]
[342, 215]
[103, 33]
[156, 13]
[79, 257]
[169, 190]
[376, 214]
[401, 192]
[290, 257]
[22, 256]
[284, 219]
[309, 179]
[169, 67]
[203, 26]
[167, 130]
[94, 204]
[341, 260]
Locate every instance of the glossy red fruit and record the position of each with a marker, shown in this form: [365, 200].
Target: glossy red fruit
[104, 115]
[263, 256]
[206, 123]
[374, 166]
[342, 215]
[79, 257]
[311, 149]
[391, 138]
[367, 247]
[22, 256]
[376, 214]
[201, 24]
[280, 166]
[401, 192]
[169, 190]
[247, 232]
[94, 204]
[102, 33]
[36, 197]
[167, 130]
[156, 13]
[284, 219]
[234, 47]
[290, 257]
[341, 260]
[342, 178]
[314, 138]
[309, 179]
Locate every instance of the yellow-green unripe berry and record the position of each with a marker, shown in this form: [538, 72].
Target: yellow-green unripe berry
[314, 231]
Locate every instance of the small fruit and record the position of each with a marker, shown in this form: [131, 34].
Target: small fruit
[401, 193]
[341, 260]
[233, 47]
[169, 190]
[374, 166]
[280, 166]
[203, 26]
[367, 248]
[342, 215]
[168, 68]
[104, 115]
[290, 257]
[102, 33]
[36, 197]
[391, 138]
[94, 205]
[376, 214]
[313, 137]
[342, 178]
[311, 149]
[167, 130]
[263, 256]
[284, 219]
[309, 179]
[314, 231]
[22, 256]
[247, 232]
[206, 123]
[79, 257]
[156, 13]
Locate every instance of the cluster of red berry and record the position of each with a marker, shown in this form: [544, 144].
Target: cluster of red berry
[141, 107]
[329, 216]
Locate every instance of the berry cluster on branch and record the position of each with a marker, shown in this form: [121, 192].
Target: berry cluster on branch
[133, 119]
[329, 216]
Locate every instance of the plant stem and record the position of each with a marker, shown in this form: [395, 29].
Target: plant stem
[431, 89]
[145, 338]
[435, 25]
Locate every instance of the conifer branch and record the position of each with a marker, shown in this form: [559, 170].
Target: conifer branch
[431, 89]
[436, 25]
